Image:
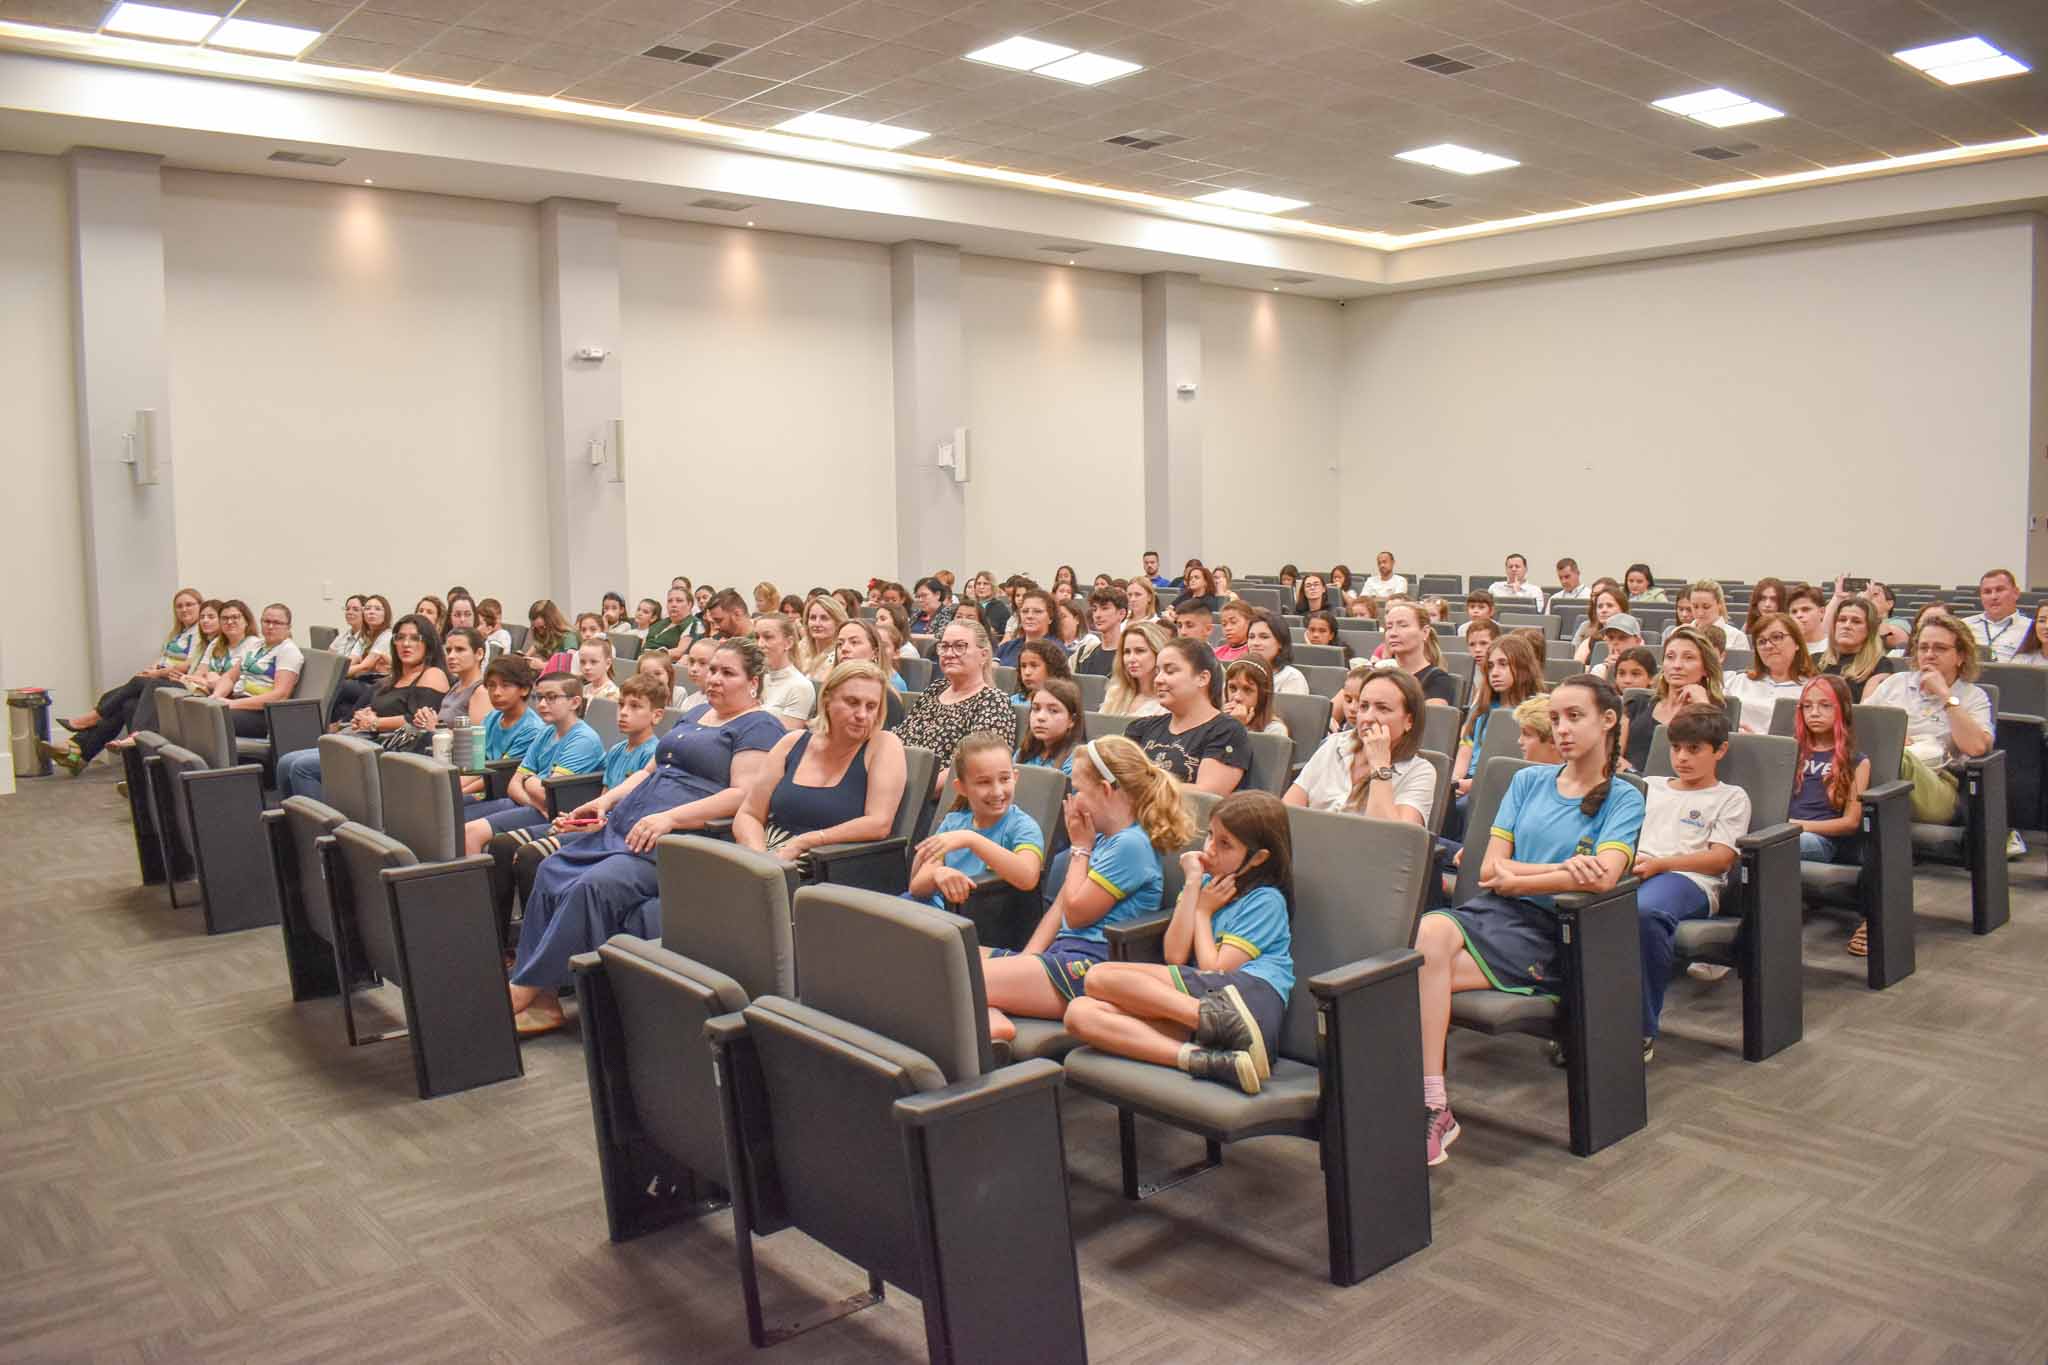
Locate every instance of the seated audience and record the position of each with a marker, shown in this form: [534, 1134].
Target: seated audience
[1805, 605]
[985, 832]
[1779, 669]
[1151, 571]
[1568, 828]
[1569, 586]
[1533, 716]
[567, 747]
[369, 661]
[1237, 620]
[961, 699]
[1364, 608]
[2030, 651]
[1198, 588]
[1517, 585]
[115, 708]
[603, 881]
[594, 670]
[785, 692]
[1193, 621]
[1142, 599]
[934, 607]
[1374, 768]
[465, 700]
[1272, 644]
[1767, 598]
[1034, 622]
[1603, 602]
[1054, 727]
[822, 617]
[646, 616]
[1384, 582]
[1214, 1008]
[1827, 802]
[1691, 676]
[1340, 586]
[1314, 595]
[859, 639]
[1640, 585]
[892, 626]
[1948, 717]
[1320, 628]
[1479, 606]
[589, 626]
[1411, 644]
[1131, 691]
[1248, 698]
[1124, 815]
[1193, 740]
[490, 620]
[1692, 822]
[461, 616]
[767, 599]
[1856, 651]
[839, 780]
[1512, 672]
[1069, 627]
[1999, 629]
[1038, 662]
[611, 609]
[434, 610]
[1708, 609]
[1630, 670]
[264, 675]
[550, 641]
[345, 641]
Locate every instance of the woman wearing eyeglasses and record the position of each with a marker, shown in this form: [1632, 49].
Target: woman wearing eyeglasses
[264, 675]
[961, 700]
[418, 681]
[1780, 669]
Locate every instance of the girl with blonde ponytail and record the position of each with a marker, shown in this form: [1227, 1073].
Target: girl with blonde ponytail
[1569, 827]
[1124, 814]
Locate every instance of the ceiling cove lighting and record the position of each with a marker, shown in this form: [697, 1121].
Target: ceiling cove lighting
[1251, 201]
[277, 40]
[154, 21]
[1449, 156]
[1717, 108]
[1962, 62]
[1051, 59]
[851, 130]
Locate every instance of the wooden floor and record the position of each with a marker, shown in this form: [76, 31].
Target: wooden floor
[193, 1168]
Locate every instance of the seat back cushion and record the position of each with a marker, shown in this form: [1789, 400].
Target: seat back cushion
[320, 679]
[920, 769]
[305, 821]
[348, 779]
[422, 805]
[365, 853]
[1040, 792]
[1764, 766]
[1487, 792]
[203, 728]
[831, 1087]
[898, 969]
[728, 908]
[1358, 891]
[179, 763]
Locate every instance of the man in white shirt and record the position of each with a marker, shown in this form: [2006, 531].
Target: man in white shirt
[1999, 628]
[1570, 587]
[1517, 583]
[1386, 583]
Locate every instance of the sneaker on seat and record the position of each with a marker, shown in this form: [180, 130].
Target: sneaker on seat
[1230, 1068]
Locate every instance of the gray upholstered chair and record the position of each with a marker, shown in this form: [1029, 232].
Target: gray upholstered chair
[1879, 886]
[1307, 718]
[1978, 842]
[299, 837]
[148, 810]
[297, 722]
[1440, 728]
[1598, 1021]
[2022, 708]
[215, 805]
[866, 1114]
[1757, 929]
[882, 864]
[1348, 1071]
[627, 645]
[421, 916]
[1101, 723]
[1441, 803]
[1272, 764]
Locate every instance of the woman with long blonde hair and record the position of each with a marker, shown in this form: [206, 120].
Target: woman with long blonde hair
[1130, 690]
[823, 615]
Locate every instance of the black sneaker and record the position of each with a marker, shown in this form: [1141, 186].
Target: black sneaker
[1229, 1068]
[1226, 1024]
[1555, 1051]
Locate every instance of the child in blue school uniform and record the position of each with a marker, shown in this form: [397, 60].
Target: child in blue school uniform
[984, 832]
[1054, 727]
[1214, 1011]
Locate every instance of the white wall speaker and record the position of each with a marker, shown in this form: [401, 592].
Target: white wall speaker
[141, 455]
[616, 438]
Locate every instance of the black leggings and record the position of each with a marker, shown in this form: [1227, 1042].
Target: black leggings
[116, 708]
[353, 695]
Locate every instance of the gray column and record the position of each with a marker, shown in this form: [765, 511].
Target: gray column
[931, 401]
[120, 366]
[1173, 418]
[579, 279]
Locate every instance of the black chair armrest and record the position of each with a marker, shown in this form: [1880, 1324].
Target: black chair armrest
[295, 723]
[2024, 742]
[1574, 904]
[1134, 936]
[1003, 916]
[498, 777]
[978, 1093]
[875, 865]
[1602, 997]
[1367, 971]
[1767, 837]
[567, 793]
[1986, 824]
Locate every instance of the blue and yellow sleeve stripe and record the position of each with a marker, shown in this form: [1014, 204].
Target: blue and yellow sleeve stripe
[1028, 847]
[1105, 883]
[1243, 945]
[1621, 845]
[1506, 834]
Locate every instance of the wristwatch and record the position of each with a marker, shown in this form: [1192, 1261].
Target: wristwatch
[1953, 701]
[1383, 774]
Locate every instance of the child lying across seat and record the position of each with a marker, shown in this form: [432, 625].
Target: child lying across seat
[1214, 1011]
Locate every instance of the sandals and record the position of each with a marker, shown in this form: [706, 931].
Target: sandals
[532, 1023]
[1859, 942]
[66, 758]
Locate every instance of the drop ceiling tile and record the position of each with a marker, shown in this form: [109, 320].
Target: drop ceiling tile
[74, 14]
[525, 80]
[771, 64]
[872, 19]
[356, 52]
[823, 43]
[299, 13]
[475, 42]
[803, 95]
[730, 84]
[445, 66]
[614, 35]
[679, 101]
[793, 11]
[672, 15]
[739, 28]
[749, 116]
[436, 11]
[371, 27]
[615, 89]
[1476, 21]
[1152, 14]
[875, 109]
[577, 63]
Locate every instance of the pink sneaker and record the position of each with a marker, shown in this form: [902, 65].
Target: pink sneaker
[1443, 1131]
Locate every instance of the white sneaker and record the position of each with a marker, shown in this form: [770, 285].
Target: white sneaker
[1706, 971]
[2015, 847]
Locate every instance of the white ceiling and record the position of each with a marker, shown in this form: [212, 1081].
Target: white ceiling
[1303, 98]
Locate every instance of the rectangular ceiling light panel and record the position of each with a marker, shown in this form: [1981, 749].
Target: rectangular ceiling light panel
[154, 21]
[851, 130]
[1251, 201]
[1717, 108]
[277, 40]
[1449, 156]
[1962, 62]
[1052, 59]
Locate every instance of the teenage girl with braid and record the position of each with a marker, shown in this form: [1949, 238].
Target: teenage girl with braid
[1569, 827]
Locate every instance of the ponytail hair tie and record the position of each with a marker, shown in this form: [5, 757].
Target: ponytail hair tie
[1108, 777]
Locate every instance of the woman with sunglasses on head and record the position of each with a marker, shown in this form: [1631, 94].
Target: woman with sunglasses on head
[419, 682]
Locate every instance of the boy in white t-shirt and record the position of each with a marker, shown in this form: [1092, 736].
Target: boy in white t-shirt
[1690, 826]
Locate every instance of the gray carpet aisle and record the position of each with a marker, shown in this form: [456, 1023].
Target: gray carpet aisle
[193, 1168]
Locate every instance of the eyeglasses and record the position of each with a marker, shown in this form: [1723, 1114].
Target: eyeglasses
[273, 621]
[1776, 637]
[954, 646]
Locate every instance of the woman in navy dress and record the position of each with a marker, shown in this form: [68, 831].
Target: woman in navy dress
[604, 883]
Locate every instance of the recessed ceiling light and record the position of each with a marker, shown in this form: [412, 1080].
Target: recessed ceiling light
[1717, 108]
[154, 21]
[1020, 53]
[248, 35]
[1449, 156]
[851, 130]
[1088, 68]
[1051, 59]
[1962, 62]
[1251, 201]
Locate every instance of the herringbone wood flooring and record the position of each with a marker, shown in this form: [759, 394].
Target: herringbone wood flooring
[193, 1168]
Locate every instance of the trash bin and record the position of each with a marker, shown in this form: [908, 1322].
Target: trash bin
[28, 729]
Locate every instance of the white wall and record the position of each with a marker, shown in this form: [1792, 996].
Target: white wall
[1859, 404]
[1054, 361]
[42, 641]
[759, 407]
[1270, 398]
[355, 393]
